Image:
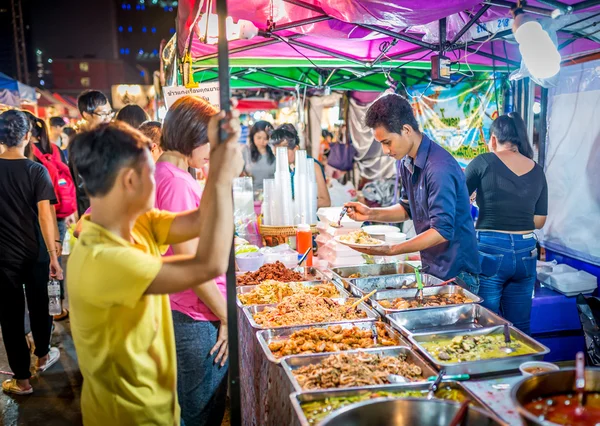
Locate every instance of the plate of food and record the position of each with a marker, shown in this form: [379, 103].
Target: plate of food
[359, 239]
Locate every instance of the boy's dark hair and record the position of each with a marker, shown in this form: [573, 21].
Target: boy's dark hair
[186, 125]
[89, 100]
[134, 115]
[152, 130]
[510, 128]
[14, 126]
[260, 126]
[57, 122]
[285, 132]
[392, 112]
[99, 154]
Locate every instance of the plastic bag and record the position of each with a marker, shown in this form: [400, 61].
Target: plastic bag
[589, 315]
[341, 194]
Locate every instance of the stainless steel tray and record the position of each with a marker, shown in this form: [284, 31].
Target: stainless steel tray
[293, 362]
[411, 293]
[362, 286]
[485, 366]
[447, 318]
[310, 273]
[300, 398]
[243, 289]
[249, 311]
[267, 336]
[343, 273]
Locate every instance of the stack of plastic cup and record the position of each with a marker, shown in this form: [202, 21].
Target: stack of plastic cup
[311, 191]
[301, 184]
[267, 205]
[283, 190]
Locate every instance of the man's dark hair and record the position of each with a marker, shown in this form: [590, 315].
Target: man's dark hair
[89, 100]
[152, 130]
[134, 115]
[14, 126]
[69, 131]
[286, 132]
[57, 122]
[99, 154]
[186, 125]
[260, 126]
[511, 128]
[392, 112]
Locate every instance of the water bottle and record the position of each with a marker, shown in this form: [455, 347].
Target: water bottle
[54, 303]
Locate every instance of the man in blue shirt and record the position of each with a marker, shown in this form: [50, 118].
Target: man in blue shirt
[434, 196]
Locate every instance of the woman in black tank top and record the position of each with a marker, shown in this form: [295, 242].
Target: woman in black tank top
[512, 197]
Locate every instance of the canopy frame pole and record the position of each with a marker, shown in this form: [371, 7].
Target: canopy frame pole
[232, 323]
[510, 5]
[248, 47]
[301, 22]
[469, 24]
[284, 78]
[327, 52]
[584, 5]
[494, 57]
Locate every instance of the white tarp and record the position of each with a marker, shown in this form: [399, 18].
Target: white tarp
[573, 164]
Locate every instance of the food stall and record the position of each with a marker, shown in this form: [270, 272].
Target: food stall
[315, 340]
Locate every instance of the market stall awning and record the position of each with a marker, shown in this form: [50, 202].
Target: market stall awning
[14, 93]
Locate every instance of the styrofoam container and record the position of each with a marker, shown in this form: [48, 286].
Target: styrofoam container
[572, 283]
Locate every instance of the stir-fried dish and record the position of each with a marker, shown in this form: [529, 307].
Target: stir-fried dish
[360, 237]
[360, 369]
[434, 300]
[315, 411]
[474, 348]
[299, 309]
[332, 339]
[271, 291]
[565, 410]
[271, 271]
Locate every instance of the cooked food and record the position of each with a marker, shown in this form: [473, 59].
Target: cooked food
[361, 369]
[270, 271]
[315, 411]
[536, 370]
[360, 237]
[357, 275]
[271, 291]
[332, 339]
[299, 309]
[474, 348]
[562, 409]
[434, 300]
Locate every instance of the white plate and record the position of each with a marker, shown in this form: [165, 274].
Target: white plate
[381, 229]
[352, 245]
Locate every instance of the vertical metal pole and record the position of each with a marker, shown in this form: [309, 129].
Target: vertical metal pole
[530, 89]
[543, 130]
[234, 353]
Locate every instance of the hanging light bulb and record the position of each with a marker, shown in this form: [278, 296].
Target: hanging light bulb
[243, 29]
[540, 55]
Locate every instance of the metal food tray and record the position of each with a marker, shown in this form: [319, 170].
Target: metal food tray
[342, 273]
[243, 289]
[314, 274]
[249, 311]
[446, 318]
[293, 362]
[484, 366]
[299, 398]
[411, 293]
[267, 336]
[362, 286]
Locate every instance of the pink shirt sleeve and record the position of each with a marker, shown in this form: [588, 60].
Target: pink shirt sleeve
[176, 195]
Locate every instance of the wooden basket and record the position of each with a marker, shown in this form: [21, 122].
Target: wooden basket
[275, 235]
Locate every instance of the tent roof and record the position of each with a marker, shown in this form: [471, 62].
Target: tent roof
[25, 93]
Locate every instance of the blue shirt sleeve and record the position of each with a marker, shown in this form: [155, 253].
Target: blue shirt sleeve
[441, 197]
[403, 201]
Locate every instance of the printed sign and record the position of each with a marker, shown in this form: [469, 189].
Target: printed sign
[207, 91]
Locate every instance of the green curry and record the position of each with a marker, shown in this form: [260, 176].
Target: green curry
[316, 411]
[474, 348]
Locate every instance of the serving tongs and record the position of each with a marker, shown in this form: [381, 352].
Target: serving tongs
[433, 388]
[419, 294]
[506, 348]
[359, 301]
[580, 382]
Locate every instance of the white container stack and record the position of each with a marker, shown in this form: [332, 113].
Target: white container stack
[301, 189]
[283, 202]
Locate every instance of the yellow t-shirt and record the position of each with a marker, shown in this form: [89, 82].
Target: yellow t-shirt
[124, 338]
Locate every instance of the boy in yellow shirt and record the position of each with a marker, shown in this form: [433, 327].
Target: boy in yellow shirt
[118, 283]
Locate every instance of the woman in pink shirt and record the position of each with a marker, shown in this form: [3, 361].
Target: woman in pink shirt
[199, 315]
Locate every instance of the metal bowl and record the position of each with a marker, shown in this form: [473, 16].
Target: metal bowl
[548, 384]
[406, 412]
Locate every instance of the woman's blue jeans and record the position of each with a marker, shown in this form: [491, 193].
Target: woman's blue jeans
[508, 275]
[201, 384]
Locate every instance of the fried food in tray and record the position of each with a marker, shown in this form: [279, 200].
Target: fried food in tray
[299, 309]
[428, 301]
[360, 237]
[271, 291]
[271, 271]
[354, 370]
[332, 339]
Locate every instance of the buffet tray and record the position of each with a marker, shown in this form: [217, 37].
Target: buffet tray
[248, 288]
[361, 286]
[267, 336]
[249, 312]
[310, 273]
[299, 398]
[293, 362]
[343, 273]
[447, 318]
[484, 366]
[411, 293]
